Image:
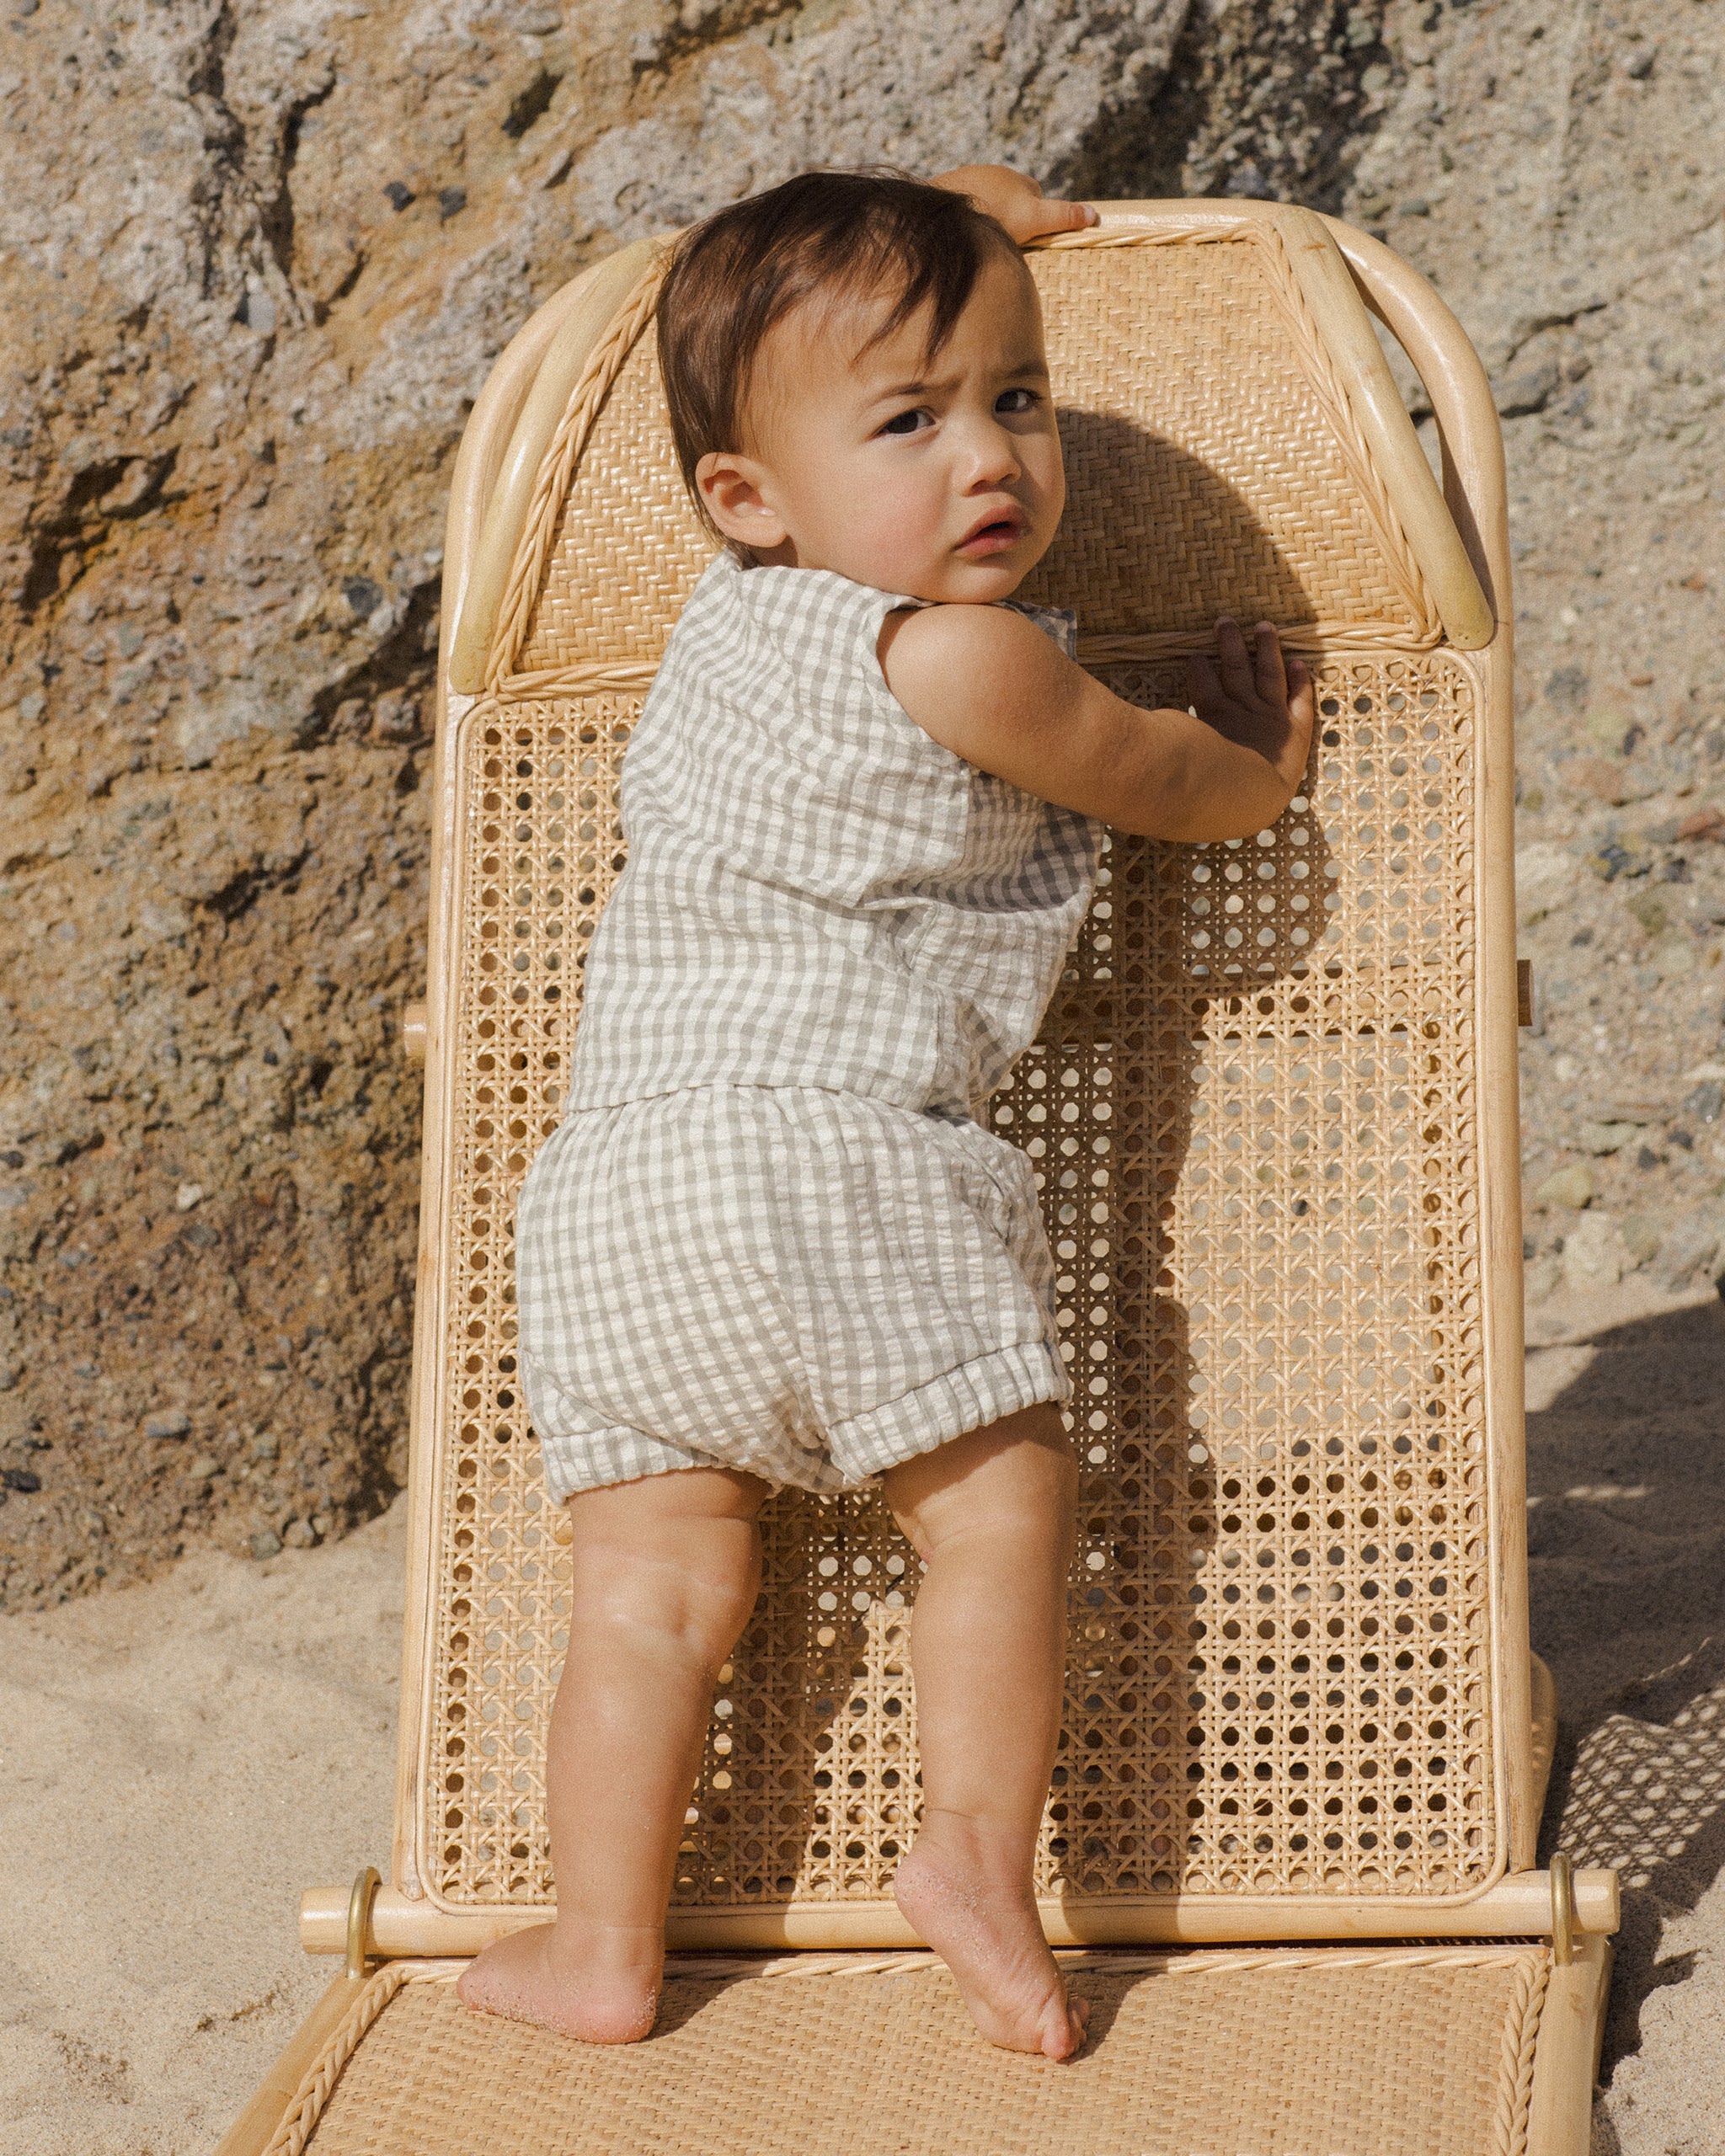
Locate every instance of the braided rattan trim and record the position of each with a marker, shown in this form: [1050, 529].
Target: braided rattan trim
[314, 2091]
[1195, 234]
[1217, 1962]
[619, 677]
[1521, 2037]
[551, 489]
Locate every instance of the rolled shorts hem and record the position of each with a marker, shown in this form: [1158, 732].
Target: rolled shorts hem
[580, 1460]
[984, 1391]
[968, 1398]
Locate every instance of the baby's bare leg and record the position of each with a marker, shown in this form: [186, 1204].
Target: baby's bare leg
[991, 1513]
[666, 1571]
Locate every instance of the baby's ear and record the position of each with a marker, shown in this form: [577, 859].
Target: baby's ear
[732, 490]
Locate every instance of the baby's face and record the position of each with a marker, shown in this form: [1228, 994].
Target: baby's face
[940, 477]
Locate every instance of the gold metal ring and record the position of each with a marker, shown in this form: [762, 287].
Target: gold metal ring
[1562, 1911]
[359, 1920]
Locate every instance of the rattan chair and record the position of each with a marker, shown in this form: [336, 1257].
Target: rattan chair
[1291, 1841]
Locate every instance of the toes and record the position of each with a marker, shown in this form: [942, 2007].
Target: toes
[1063, 2028]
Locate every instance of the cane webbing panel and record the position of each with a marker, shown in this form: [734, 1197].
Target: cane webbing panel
[1251, 1113]
[1212, 464]
[1290, 2058]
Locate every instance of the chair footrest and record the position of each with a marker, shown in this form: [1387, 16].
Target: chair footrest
[1366, 2050]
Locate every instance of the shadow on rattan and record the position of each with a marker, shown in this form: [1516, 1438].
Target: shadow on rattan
[1126, 485]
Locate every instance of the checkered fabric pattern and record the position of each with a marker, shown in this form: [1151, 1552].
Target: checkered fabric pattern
[767, 1233]
[810, 1286]
[817, 892]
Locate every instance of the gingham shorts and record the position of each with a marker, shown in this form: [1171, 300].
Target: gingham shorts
[808, 1286]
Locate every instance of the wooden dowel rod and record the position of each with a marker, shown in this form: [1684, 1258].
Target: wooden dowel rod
[1517, 1907]
[1560, 2116]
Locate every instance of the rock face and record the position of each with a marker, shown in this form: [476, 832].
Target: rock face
[256, 262]
[1555, 172]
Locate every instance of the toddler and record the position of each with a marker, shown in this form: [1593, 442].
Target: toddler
[768, 1244]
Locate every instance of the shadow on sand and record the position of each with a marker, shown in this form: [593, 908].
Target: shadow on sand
[1626, 1550]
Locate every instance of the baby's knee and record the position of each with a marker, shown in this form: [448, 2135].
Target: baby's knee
[689, 1590]
[1033, 1509]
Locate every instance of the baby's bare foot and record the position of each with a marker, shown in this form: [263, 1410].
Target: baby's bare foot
[600, 1987]
[987, 1932]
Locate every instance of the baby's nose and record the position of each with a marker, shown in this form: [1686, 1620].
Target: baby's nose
[995, 459]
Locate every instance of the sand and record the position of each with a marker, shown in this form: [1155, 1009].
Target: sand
[181, 1758]
[178, 1762]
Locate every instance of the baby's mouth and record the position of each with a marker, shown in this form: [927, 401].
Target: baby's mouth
[994, 537]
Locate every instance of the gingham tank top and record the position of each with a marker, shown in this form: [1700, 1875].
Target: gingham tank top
[818, 893]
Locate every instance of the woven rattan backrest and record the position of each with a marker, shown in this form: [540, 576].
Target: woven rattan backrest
[1255, 1111]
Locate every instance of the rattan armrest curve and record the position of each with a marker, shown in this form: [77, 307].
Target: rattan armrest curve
[1318, 250]
[583, 307]
[1438, 349]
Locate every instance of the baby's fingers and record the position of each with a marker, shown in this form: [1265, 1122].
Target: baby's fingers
[1203, 689]
[1271, 679]
[1302, 696]
[1016, 200]
[1058, 217]
[1236, 670]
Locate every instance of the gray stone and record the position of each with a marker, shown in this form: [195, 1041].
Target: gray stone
[1528, 388]
[172, 1422]
[1547, 876]
[209, 488]
[1603, 1138]
[1572, 1186]
[1691, 1246]
[1594, 1255]
[1705, 1101]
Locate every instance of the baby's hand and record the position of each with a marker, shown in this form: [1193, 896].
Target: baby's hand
[1015, 202]
[1257, 700]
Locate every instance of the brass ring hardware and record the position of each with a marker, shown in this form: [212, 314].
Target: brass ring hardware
[1562, 1911]
[359, 1920]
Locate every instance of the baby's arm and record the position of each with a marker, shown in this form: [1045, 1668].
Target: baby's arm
[988, 685]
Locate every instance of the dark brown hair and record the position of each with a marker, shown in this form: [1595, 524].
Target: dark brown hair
[841, 234]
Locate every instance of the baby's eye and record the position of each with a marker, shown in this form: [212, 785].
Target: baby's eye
[1016, 400]
[908, 423]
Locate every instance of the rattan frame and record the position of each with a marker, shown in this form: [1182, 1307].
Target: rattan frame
[1457, 578]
